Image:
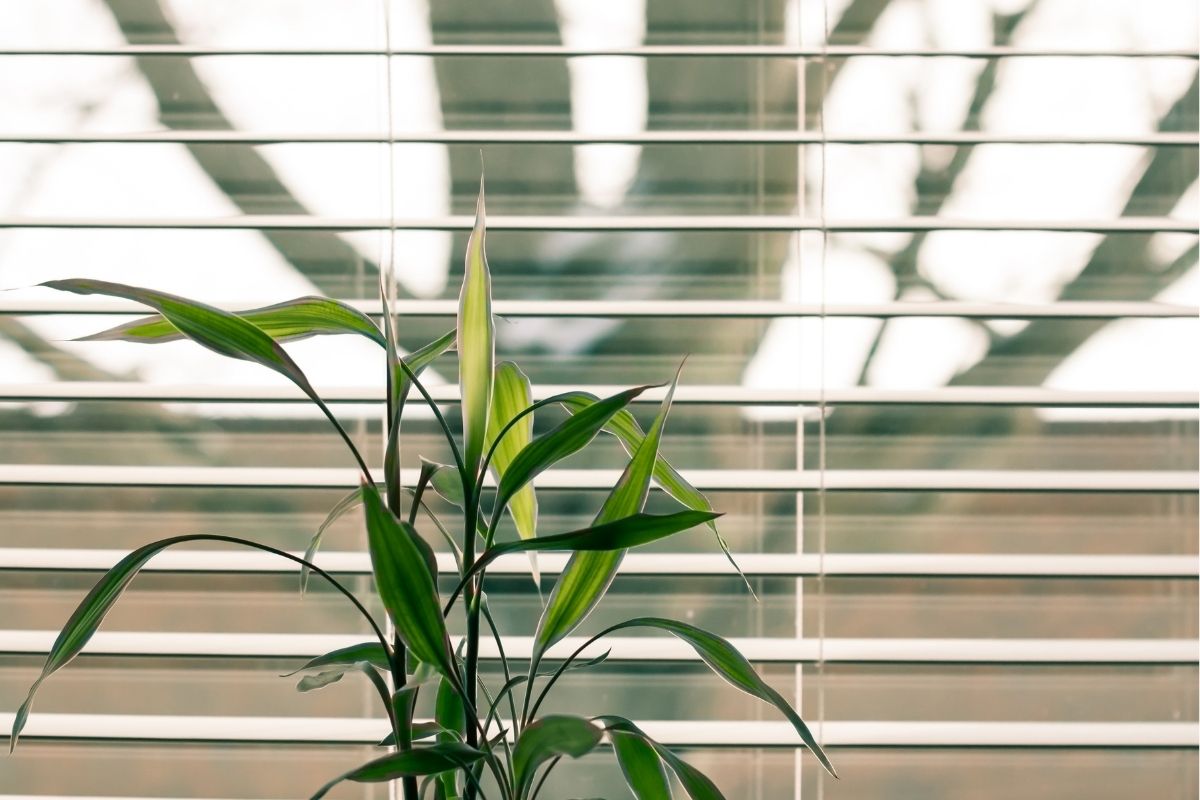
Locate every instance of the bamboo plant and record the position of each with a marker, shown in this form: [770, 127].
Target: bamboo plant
[483, 741]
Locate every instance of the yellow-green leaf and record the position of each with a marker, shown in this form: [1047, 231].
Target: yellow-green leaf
[476, 343]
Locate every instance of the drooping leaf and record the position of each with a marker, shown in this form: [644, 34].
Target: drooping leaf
[420, 730]
[405, 584]
[219, 331]
[725, 660]
[85, 620]
[288, 321]
[322, 679]
[552, 735]
[409, 763]
[555, 445]
[370, 652]
[695, 783]
[476, 342]
[587, 576]
[341, 507]
[510, 396]
[624, 426]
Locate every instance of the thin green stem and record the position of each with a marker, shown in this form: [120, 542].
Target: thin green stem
[538, 788]
[487, 614]
[437, 413]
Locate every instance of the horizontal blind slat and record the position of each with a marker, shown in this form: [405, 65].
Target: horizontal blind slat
[678, 733]
[1083, 481]
[688, 395]
[650, 564]
[640, 51]
[560, 137]
[731, 309]
[644, 649]
[721, 223]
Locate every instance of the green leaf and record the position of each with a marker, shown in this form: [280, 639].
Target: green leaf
[289, 321]
[409, 763]
[512, 395]
[476, 342]
[643, 769]
[400, 384]
[695, 783]
[725, 660]
[587, 576]
[625, 428]
[219, 331]
[405, 584]
[322, 679]
[370, 652]
[621, 534]
[450, 716]
[553, 446]
[446, 483]
[340, 508]
[546, 738]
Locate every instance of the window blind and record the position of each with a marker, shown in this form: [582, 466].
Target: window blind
[935, 265]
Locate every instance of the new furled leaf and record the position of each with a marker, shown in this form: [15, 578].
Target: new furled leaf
[288, 321]
[476, 342]
[405, 584]
[588, 575]
[551, 736]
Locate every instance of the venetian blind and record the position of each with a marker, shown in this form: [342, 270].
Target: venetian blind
[935, 265]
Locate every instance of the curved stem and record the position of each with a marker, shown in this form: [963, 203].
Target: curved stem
[487, 615]
[536, 789]
[437, 413]
[558, 672]
[362, 465]
[216, 537]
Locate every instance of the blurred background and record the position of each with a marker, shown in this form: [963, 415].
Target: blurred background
[935, 265]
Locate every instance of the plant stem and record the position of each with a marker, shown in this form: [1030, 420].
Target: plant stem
[471, 597]
[400, 669]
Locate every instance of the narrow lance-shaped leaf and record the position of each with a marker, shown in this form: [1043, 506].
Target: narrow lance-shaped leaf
[405, 584]
[288, 321]
[725, 660]
[510, 396]
[620, 534]
[409, 763]
[85, 620]
[476, 343]
[588, 575]
[546, 738]
[694, 782]
[625, 428]
[370, 652]
[553, 446]
[219, 331]
[641, 766]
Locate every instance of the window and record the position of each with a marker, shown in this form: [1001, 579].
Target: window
[936, 270]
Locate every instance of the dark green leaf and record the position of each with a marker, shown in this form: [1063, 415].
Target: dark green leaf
[405, 584]
[569, 437]
[643, 769]
[420, 730]
[587, 576]
[551, 736]
[284, 322]
[409, 763]
[620, 534]
[725, 660]
[451, 717]
[476, 342]
[371, 652]
[694, 782]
